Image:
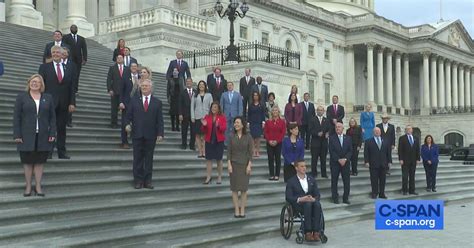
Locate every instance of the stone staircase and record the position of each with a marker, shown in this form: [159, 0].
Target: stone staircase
[90, 200]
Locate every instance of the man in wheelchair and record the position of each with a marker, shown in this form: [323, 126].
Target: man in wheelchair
[303, 194]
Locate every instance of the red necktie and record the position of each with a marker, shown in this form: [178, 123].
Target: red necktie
[145, 106]
[60, 74]
[335, 109]
[120, 70]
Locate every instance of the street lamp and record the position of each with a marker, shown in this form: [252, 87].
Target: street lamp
[232, 12]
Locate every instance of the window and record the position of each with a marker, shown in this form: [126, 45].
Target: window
[288, 44]
[243, 32]
[311, 50]
[327, 55]
[265, 38]
[311, 85]
[454, 139]
[327, 93]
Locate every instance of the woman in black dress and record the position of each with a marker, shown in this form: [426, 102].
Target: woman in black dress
[173, 91]
[34, 130]
[256, 119]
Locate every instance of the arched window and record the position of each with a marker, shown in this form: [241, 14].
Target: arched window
[288, 44]
[454, 139]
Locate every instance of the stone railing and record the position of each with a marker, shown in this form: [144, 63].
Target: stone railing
[157, 15]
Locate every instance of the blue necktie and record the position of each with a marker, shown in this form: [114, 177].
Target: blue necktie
[230, 96]
[378, 142]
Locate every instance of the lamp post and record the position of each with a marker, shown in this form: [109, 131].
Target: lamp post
[232, 13]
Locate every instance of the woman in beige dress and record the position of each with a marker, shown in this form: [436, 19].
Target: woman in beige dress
[239, 160]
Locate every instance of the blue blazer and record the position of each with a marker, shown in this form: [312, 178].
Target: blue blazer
[231, 109]
[184, 71]
[291, 154]
[147, 125]
[337, 152]
[430, 154]
[294, 189]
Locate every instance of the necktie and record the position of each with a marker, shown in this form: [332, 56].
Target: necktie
[341, 140]
[190, 93]
[179, 64]
[260, 89]
[378, 142]
[75, 38]
[306, 103]
[335, 108]
[128, 61]
[59, 74]
[320, 120]
[145, 105]
[230, 96]
[410, 138]
[120, 70]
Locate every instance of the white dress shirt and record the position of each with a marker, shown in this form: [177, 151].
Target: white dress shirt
[143, 99]
[304, 183]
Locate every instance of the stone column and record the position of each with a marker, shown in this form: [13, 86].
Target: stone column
[389, 78]
[406, 82]
[448, 92]
[398, 80]
[434, 82]
[380, 96]
[76, 14]
[47, 7]
[370, 72]
[455, 84]
[467, 83]
[441, 84]
[461, 86]
[121, 7]
[22, 12]
[426, 80]
[350, 78]
[2, 10]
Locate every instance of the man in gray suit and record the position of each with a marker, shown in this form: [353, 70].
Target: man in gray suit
[231, 104]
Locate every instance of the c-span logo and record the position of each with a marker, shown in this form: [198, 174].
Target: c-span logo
[409, 215]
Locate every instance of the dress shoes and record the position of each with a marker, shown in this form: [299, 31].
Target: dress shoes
[346, 201]
[124, 146]
[192, 148]
[316, 236]
[148, 186]
[383, 196]
[336, 201]
[405, 193]
[413, 193]
[309, 237]
[325, 176]
[64, 156]
[433, 190]
[373, 196]
[183, 147]
[138, 185]
[428, 190]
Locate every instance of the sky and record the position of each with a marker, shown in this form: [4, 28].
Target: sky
[416, 12]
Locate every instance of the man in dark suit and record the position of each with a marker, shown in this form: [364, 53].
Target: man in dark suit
[71, 67]
[335, 113]
[178, 68]
[58, 41]
[340, 150]
[78, 47]
[212, 75]
[59, 82]
[303, 194]
[115, 79]
[217, 85]
[127, 58]
[409, 156]
[388, 133]
[185, 115]
[246, 83]
[308, 114]
[125, 97]
[319, 130]
[262, 90]
[378, 159]
[145, 121]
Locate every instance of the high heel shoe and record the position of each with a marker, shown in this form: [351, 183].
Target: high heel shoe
[27, 195]
[207, 182]
[39, 194]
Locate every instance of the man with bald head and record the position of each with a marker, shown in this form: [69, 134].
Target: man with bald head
[409, 156]
[378, 158]
[340, 151]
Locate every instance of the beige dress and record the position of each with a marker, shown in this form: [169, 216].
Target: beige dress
[239, 153]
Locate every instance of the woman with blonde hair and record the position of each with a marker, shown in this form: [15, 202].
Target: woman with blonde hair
[34, 130]
[367, 122]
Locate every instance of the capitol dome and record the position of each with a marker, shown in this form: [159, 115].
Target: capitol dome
[346, 7]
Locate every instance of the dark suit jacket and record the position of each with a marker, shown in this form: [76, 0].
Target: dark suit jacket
[307, 114]
[331, 115]
[217, 91]
[183, 70]
[409, 154]
[185, 103]
[132, 60]
[245, 89]
[263, 94]
[114, 81]
[377, 158]
[389, 135]
[337, 152]
[126, 90]
[71, 67]
[211, 76]
[24, 122]
[63, 93]
[294, 189]
[356, 136]
[315, 127]
[47, 50]
[78, 50]
[147, 125]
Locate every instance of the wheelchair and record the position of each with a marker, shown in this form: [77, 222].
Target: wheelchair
[288, 217]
